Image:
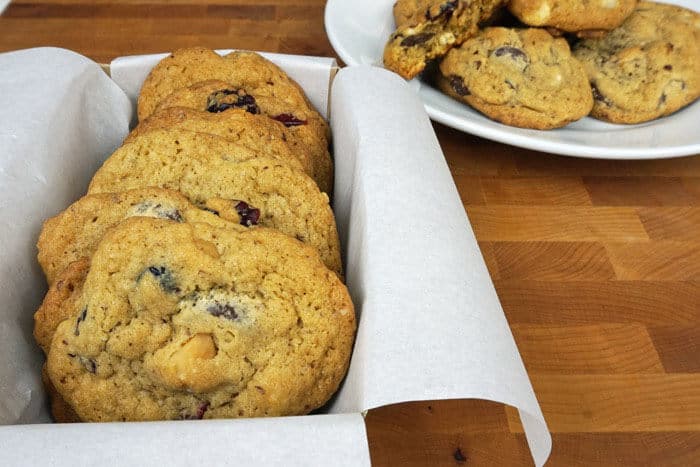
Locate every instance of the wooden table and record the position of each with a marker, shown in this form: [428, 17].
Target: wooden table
[597, 263]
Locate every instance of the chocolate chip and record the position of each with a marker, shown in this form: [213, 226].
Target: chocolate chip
[417, 39]
[224, 99]
[457, 84]
[174, 215]
[289, 120]
[223, 310]
[80, 319]
[165, 278]
[668, 67]
[89, 364]
[446, 10]
[514, 52]
[248, 214]
[600, 97]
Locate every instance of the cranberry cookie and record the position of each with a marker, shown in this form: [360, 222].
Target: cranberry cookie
[266, 191]
[191, 321]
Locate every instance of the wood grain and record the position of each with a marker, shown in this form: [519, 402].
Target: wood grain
[596, 263]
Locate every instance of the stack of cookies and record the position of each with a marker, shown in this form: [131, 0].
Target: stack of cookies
[621, 61]
[200, 277]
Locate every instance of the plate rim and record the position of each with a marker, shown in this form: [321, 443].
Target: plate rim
[503, 136]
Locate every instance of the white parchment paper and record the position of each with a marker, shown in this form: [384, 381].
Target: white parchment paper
[430, 324]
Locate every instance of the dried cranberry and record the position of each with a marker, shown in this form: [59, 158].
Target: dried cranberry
[224, 99]
[289, 120]
[198, 414]
[248, 214]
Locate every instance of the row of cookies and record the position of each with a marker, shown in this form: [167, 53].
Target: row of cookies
[631, 63]
[200, 276]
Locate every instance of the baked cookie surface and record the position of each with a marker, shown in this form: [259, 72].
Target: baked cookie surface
[520, 77]
[573, 15]
[243, 70]
[427, 29]
[305, 131]
[75, 232]
[272, 193]
[648, 67]
[181, 321]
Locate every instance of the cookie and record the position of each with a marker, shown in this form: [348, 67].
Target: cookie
[273, 194]
[520, 77]
[304, 131]
[188, 320]
[60, 410]
[648, 67]
[58, 300]
[243, 70]
[74, 233]
[427, 29]
[573, 15]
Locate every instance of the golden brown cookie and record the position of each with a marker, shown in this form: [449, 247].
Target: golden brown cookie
[305, 131]
[60, 410]
[648, 67]
[573, 15]
[58, 300]
[274, 194]
[187, 320]
[520, 77]
[428, 29]
[74, 233]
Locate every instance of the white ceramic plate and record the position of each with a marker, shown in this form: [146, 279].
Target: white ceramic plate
[359, 29]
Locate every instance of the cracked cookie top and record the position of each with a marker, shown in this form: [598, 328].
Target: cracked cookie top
[520, 77]
[188, 321]
[573, 15]
[216, 174]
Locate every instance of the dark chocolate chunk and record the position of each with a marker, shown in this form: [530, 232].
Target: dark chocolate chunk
[80, 319]
[446, 10]
[457, 84]
[600, 97]
[225, 99]
[668, 67]
[174, 215]
[165, 278]
[417, 39]
[213, 211]
[223, 310]
[514, 52]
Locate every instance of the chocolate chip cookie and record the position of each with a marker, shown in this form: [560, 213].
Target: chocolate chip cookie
[263, 190]
[190, 321]
[573, 15]
[520, 77]
[648, 67]
[74, 233]
[427, 29]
